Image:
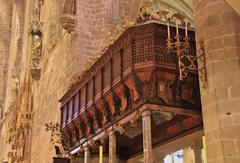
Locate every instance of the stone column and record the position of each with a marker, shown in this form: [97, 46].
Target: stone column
[112, 147]
[147, 137]
[197, 151]
[217, 24]
[87, 158]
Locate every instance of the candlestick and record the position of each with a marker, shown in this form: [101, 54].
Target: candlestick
[168, 30]
[186, 29]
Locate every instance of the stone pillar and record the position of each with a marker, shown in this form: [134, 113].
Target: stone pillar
[112, 148]
[147, 137]
[197, 150]
[217, 24]
[87, 158]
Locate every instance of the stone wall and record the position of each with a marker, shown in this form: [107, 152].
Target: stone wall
[64, 55]
[217, 24]
[5, 28]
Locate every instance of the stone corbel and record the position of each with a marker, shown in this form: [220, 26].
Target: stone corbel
[68, 18]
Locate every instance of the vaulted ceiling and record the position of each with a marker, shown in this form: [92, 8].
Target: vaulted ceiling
[174, 6]
[182, 6]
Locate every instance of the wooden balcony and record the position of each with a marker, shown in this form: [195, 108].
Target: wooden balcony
[136, 70]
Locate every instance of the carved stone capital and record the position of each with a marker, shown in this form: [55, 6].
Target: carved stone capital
[146, 113]
[68, 19]
[68, 22]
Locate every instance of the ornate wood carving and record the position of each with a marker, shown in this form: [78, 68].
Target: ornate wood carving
[132, 130]
[65, 140]
[98, 118]
[135, 87]
[161, 117]
[73, 133]
[89, 123]
[83, 129]
[102, 114]
[74, 136]
[121, 92]
[153, 85]
[116, 102]
[107, 111]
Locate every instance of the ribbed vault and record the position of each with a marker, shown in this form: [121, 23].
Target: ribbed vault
[174, 6]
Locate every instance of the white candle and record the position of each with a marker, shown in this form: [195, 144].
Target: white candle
[168, 30]
[101, 154]
[186, 29]
[177, 27]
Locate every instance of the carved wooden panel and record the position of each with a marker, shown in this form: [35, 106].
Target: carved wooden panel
[89, 92]
[70, 110]
[76, 104]
[116, 65]
[83, 99]
[64, 110]
[98, 83]
[106, 75]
